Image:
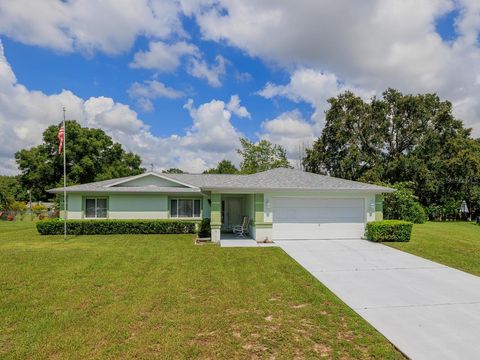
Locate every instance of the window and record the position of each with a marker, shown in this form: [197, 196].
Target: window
[185, 208]
[96, 208]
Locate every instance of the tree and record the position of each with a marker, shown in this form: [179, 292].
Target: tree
[223, 167]
[6, 197]
[261, 156]
[349, 144]
[398, 138]
[403, 205]
[10, 190]
[173, 171]
[91, 156]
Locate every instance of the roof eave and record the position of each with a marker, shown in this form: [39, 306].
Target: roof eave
[377, 191]
[150, 173]
[107, 191]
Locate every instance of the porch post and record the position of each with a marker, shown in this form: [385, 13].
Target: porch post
[262, 230]
[216, 216]
[378, 207]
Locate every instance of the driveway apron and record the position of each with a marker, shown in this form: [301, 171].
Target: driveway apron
[427, 310]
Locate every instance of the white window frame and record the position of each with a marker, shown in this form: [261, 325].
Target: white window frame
[193, 208]
[96, 207]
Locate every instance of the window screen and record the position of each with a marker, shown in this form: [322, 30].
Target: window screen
[90, 208]
[196, 208]
[185, 208]
[101, 208]
[96, 208]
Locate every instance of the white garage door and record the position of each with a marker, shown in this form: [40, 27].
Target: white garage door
[317, 218]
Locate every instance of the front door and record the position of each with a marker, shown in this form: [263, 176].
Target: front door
[233, 214]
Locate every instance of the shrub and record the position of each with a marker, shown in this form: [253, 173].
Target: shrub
[204, 228]
[403, 205]
[38, 208]
[105, 227]
[18, 206]
[389, 230]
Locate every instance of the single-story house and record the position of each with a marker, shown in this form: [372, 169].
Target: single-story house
[280, 203]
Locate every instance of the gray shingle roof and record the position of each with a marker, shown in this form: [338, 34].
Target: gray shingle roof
[275, 179]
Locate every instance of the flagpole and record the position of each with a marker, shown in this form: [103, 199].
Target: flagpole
[65, 213]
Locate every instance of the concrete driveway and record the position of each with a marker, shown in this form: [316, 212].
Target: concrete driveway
[428, 310]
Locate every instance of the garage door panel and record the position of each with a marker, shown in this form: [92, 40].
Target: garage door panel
[317, 218]
[313, 232]
[318, 215]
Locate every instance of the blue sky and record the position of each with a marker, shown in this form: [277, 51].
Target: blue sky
[159, 76]
[104, 75]
[111, 76]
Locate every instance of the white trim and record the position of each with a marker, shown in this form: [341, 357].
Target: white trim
[154, 174]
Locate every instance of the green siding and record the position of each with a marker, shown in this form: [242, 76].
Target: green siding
[259, 208]
[74, 205]
[215, 210]
[137, 202]
[205, 207]
[151, 180]
[378, 207]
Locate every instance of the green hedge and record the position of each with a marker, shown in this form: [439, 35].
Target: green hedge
[104, 227]
[389, 230]
[204, 228]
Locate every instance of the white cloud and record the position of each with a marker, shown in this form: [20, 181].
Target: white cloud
[161, 56]
[104, 113]
[373, 44]
[291, 131]
[313, 87]
[149, 90]
[234, 107]
[213, 73]
[24, 114]
[212, 129]
[110, 26]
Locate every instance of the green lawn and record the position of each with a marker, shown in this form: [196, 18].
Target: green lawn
[160, 296]
[456, 244]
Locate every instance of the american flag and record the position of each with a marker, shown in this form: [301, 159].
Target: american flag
[61, 139]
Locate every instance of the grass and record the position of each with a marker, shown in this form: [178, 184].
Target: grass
[160, 296]
[456, 244]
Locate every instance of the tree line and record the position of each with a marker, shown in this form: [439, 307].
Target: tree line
[411, 142]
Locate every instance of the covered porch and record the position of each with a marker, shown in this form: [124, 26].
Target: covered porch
[229, 210]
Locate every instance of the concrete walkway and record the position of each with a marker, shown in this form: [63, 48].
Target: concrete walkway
[428, 310]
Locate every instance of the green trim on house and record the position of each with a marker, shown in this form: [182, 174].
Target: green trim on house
[378, 207]
[263, 225]
[259, 208]
[216, 211]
